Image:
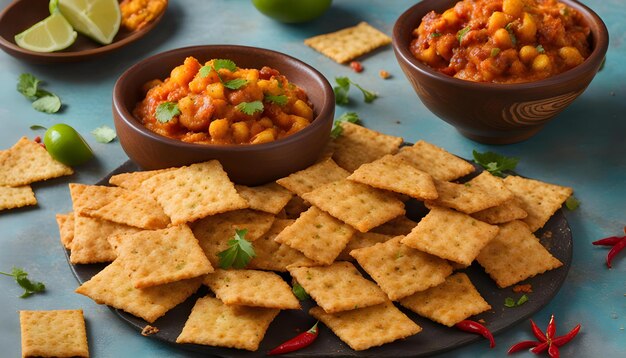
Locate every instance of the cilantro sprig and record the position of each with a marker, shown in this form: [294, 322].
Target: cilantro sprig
[43, 101]
[299, 292]
[223, 64]
[21, 277]
[351, 117]
[280, 100]
[510, 302]
[104, 134]
[239, 252]
[495, 163]
[250, 108]
[166, 111]
[462, 32]
[343, 87]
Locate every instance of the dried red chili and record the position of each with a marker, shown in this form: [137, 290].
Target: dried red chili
[537, 332]
[300, 341]
[475, 327]
[546, 341]
[522, 345]
[618, 244]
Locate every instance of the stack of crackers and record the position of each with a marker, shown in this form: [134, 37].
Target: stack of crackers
[338, 228]
[25, 163]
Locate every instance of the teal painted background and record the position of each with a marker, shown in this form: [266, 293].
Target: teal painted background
[584, 147]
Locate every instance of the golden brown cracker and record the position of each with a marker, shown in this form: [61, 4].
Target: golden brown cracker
[360, 240]
[400, 270]
[396, 226]
[358, 145]
[132, 181]
[86, 198]
[16, 197]
[368, 327]
[435, 161]
[132, 209]
[295, 207]
[90, 243]
[66, 228]
[58, 333]
[272, 255]
[503, 213]
[515, 255]
[313, 177]
[270, 198]
[349, 43]
[213, 323]
[338, 287]
[449, 303]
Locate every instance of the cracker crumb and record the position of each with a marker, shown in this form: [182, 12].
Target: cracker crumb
[527, 288]
[482, 321]
[149, 330]
[384, 74]
[547, 235]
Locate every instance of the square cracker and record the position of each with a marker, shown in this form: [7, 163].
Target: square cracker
[66, 228]
[449, 303]
[312, 177]
[539, 199]
[435, 161]
[368, 327]
[132, 209]
[270, 198]
[16, 197]
[338, 287]
[450, 235]
[503, 213]
[87, 198]
[132, 181]
[157, 257]
[214, 232]
[190, 193]
[27, 162]
[59, 333]
[399, 270]
[213, 323]
[515, 255]
[358, 145]
[397, 226]
[112, 287]
[251, 288]
[392, 173]
[317, 235]
[360, 240]
[349, 43]
[482, 192]
[90, 244]
[272, 255]
[356, 204]
[295, 207]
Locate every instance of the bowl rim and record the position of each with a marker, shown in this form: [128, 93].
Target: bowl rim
[593, 61]
[327, 110]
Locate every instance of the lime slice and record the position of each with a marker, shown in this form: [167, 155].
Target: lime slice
[98, 19]
[53, 33]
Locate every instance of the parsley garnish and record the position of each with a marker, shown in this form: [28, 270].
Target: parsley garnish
[435, 34]
[43, 101]
[227, 64]
[299, 291]
[509, 29]
[510, 302]
[21, 277]
[341, 91]
[239, 252]
[572, 203]
[250, 108]
[351, 117]
[495, 51]
[495, 163]
[166, 111]
[280, 100]
[104, 134]
[27, 85]
[462, 32]
[540, 49]
[235, 84]
[205, 71]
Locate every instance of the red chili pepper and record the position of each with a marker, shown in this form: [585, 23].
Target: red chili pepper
[37, 139]
[300, 341]
[551, 330]
[537, 332]
[475, 327]
[356, 66]
[522, 345]
[619, 246]
[553, 351]
[564, 339]
[540, 348]
[608, 241]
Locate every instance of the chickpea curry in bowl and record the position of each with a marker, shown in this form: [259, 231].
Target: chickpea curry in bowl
[217, 102]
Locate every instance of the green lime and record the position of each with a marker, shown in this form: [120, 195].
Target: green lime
[53, 33]
[66, 145]
[98, 19]
[292, 11]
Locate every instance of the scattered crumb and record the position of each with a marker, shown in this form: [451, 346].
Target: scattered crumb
[149, 330]
[384, 74]
[614, 315]
[547, 235]
[527, 288]
[398, 122]
[356, 66]
[482, 321]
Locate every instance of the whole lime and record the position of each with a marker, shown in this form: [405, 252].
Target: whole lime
[292, 11]
[66, 145]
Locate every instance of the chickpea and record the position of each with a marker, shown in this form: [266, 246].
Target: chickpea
[502, 39]
[264, 137]
[451, 17]
[542, 63]
[517, 68]
[241, 132]
[528, 30]
[528, 53]
[215, 90]
[429, 56]
[513, 7]
[497, 20]
[570, 55]
[300, 108]
[283, 120]
[298, 123]
[184, 73]
[266, 122]
[218, 129]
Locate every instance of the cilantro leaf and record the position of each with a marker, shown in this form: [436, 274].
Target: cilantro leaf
[47, 104]
[462, 32]
[35, 127]
[495, 51]
[227, 64]
[235, 84]
[341, 90]
[521, 300]
[21, 277]
[299, 292]
[104, 134]
[509, 302]
[351, 117]
[368, 96]
[540, 49]
[239, 252]
[27, 85]
[166, 111]
[250, 108]
[205, 71]
[495, 163]
[280, 100]
[572, 203]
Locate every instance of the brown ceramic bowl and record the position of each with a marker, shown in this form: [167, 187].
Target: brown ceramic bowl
[245, 164]
[490, 112]
[22, 14]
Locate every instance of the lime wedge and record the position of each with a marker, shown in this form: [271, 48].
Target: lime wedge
[98, 19]
[50, 34]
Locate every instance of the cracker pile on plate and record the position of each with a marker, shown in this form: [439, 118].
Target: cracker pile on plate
[25, 163]
[163, 230]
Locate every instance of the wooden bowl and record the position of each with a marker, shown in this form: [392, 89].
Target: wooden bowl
[491, 112]
[245, 164]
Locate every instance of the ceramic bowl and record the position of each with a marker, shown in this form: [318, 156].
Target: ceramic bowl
[490, 112]
[245, 164]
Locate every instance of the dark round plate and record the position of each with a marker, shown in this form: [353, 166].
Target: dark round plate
[22, 14]
[434, 338]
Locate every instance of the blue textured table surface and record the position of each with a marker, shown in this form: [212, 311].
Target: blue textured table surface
[582, 148]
